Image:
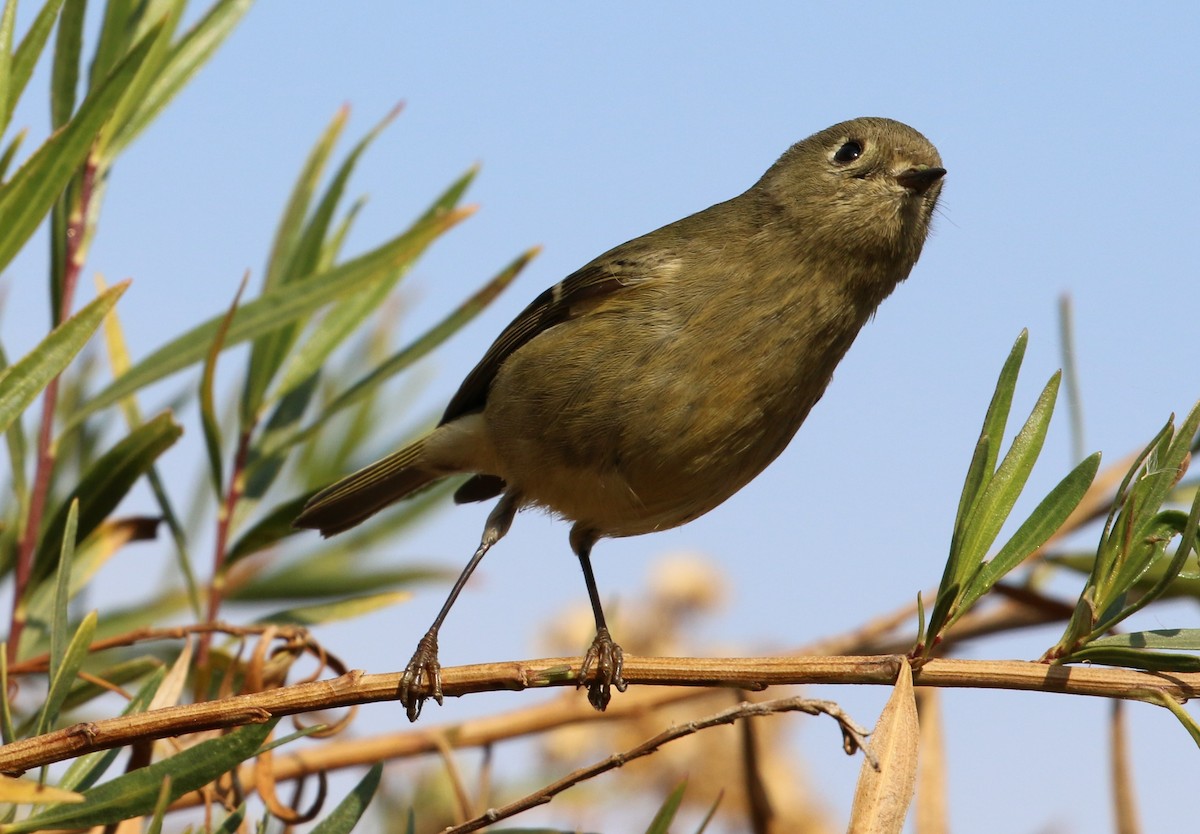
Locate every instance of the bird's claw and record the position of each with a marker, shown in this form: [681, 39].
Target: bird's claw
[422, 677]
[602, 664]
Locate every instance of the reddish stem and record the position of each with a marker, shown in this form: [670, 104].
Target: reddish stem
[224, 523]
[72, 266]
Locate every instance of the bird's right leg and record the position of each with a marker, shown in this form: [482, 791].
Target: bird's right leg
[423, 676]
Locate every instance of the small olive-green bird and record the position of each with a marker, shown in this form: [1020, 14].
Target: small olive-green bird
[652, 384]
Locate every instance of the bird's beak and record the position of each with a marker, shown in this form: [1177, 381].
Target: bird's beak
[919, 179]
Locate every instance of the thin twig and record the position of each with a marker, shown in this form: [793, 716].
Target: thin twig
[853, 738]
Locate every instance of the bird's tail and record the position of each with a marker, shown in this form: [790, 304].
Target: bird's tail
[357, 497]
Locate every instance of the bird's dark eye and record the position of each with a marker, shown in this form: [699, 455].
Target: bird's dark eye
[848, 152]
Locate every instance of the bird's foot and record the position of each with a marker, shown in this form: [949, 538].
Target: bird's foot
[602, 664]
[422, 677]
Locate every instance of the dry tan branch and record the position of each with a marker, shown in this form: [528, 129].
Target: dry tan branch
[753, 673]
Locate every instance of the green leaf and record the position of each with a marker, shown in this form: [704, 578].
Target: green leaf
[1042, 523]
[271, 529]
[10, 152]
[1188, 529]
[270, 310]
[21, 383]
[1173, 639]
[135, 794]
[17, 453]
[208, 408]
[160, 807]
[106, 483]
[28, 196]
[116, 34]
[26, 56]
[7, 732]
[1178, 710]
[271, 351]
[157, 19]
[8, 18]
[283, 268]
[318, 581]
[346, 815]
[342, 609]
[959, 565]
[346, 316]
[232, 824]
[184, 60]
[62, 593]
[1005, 487]
[366, 385]
[62, 678]
[64, 80]
[1128, 658]
[661, 824]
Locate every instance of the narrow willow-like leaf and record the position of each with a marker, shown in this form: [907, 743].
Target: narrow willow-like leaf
[68, 46]
[270, 530]
[232, 824]
[271, 351]
[1173, 639]
[208, 408]
[8, 20]
[186, 58]
[997, 501]
[1042, 523]
[63, 677]
[959, 565]
[1187, 543]
[107, 482]
[7, 730]
[164, 15]
[10, 152]
[1148, 548]
[291, 224]
[347, 316]
[28, 52]
[29, 195]
[1128, 658]
[21, 383]
[661, 824]
[270, 310]
[349, 811]
[366, 385]
[116, 34]
[1177, 709]
[17, 452]
[332, 249]
[452, 196]
[342, 609]
[284, 267]
[160, 807]
[991, 437]
[135, 794]
[62, 591]
[315, 582]
[1172, 462]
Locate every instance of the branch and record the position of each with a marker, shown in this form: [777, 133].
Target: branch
[752, 673]
[853, 739]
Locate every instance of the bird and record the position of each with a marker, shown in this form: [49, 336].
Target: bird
[650, 385]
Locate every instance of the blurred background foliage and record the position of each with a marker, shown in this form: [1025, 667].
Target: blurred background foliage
[316, 340]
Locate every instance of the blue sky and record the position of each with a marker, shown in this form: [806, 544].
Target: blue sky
[1069, 135]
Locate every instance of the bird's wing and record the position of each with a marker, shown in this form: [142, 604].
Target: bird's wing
[582, 290]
